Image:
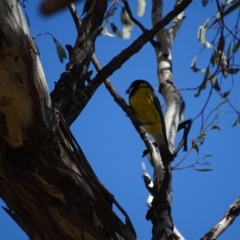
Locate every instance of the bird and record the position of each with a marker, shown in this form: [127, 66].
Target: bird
[146, 106]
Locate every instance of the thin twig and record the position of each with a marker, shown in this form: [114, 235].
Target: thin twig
[75, 16]
[204, 106]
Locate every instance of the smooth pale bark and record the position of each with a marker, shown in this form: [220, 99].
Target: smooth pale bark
[229, 217]
[168, 90]
[162, 198]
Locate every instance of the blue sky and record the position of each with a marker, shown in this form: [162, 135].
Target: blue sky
[112, 145]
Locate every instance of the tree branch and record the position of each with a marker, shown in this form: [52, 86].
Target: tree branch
[176, 24]
[160, 213]
[69, 95]
[232, 213]
[157, 8]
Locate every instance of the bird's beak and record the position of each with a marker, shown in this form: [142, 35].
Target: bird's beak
[128, 90]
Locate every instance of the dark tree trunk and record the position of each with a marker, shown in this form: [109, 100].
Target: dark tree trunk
[48, 186]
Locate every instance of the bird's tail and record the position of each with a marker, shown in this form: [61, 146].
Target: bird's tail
[165, 153]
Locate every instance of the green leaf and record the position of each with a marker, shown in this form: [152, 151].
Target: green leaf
[204, 82]
[224, 101]
[236, 122]
[230, 9]
[233, 70]
[207, 155]
[216, 127]
[236, 47]
[193, 66]
[193, 63]
[195, 146]
[202, 136]
[115, 30]
[201, 34]
[60, 50]
[127, 24]
[229, 54]
[141, 7]
[215, 83]
[216, 117]
[225, 73]
[125, 19]
[105, 31]
[203, 169]
[205, 24]
[110, 13]
[126, 33]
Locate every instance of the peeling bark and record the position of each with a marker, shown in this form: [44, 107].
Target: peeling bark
[48, 186]
[160, 211]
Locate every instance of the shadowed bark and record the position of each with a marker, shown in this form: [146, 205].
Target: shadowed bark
[48, 186]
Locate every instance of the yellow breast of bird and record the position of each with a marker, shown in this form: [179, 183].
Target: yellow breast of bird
[145, 110]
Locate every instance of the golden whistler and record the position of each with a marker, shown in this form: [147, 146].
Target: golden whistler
[147, 109]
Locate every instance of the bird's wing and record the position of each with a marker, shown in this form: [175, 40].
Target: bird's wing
[159, 109]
